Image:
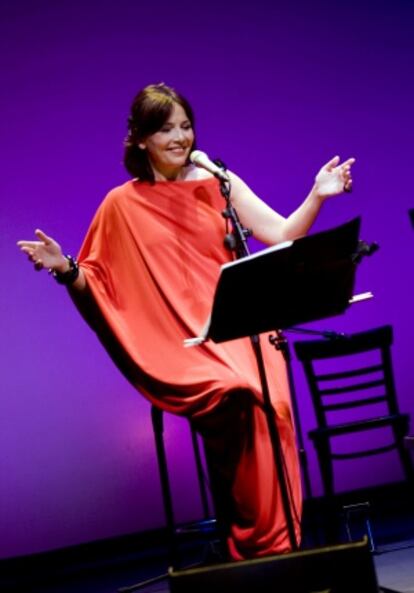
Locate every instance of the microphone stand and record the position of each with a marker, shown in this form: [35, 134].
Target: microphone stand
[236, 241]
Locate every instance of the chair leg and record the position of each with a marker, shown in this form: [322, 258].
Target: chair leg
[325, 464]
[406, 461]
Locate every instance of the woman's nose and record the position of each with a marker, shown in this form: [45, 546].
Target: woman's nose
[178, 134]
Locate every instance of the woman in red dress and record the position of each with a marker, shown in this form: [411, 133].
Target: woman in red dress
[145, 280]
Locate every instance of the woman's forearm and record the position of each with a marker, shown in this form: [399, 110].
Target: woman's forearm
[301, 220]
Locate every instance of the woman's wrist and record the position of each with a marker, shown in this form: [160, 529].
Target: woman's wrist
[316, 195]
[68, 272]
[62, 267]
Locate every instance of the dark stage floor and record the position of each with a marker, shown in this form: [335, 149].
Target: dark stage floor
[105, 567]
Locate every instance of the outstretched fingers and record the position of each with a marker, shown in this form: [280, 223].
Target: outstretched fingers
[30, 251]
[33, 248]
[335, 177]
[345, 170]
[330, 165]
[348, 162]
[43, 237]
[334, 162]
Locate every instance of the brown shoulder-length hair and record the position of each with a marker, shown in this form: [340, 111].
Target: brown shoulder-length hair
[150, 109]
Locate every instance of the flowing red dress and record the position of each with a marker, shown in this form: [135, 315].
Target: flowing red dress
[152, 258]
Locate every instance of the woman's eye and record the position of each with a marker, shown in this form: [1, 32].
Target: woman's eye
[167, 128]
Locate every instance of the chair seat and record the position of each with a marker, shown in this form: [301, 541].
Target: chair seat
[399, 420]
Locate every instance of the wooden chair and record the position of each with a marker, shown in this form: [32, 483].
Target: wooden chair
[357, 395]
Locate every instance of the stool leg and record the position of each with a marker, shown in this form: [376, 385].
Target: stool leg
[158, 427]
[200, 473]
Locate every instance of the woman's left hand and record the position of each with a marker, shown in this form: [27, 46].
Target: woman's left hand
[334, 178]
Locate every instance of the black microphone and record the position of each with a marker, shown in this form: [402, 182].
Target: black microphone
[200, 159]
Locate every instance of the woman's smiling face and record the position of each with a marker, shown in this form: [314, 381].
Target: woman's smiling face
[169, 148]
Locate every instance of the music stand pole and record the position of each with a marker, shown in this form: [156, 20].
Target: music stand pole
[280, 342]
[237, 242]
[321, 266]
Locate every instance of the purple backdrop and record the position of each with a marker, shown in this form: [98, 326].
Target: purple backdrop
[277, 91]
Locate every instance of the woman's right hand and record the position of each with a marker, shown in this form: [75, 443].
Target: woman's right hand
[44, 253]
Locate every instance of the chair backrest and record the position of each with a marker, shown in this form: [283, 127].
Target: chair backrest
[365, 378]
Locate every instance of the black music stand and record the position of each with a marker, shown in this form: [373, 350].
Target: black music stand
[299, 281]
[295, 282]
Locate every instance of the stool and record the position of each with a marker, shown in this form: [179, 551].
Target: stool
[206, 525]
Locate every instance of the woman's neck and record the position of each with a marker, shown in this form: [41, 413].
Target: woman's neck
[169, 175]
[182, 174]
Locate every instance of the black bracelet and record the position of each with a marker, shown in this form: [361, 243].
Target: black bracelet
[70, 276]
